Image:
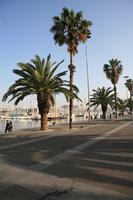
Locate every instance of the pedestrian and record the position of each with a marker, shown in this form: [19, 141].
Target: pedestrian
[10, 127]
[7, 126]
[54, 123]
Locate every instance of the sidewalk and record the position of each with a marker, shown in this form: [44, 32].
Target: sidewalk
[64, 127]
[44, 180]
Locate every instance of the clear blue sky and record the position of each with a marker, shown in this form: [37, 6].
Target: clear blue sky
[24, 32]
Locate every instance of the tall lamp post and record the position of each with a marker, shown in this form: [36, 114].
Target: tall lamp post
[88, 84]
[55, 107]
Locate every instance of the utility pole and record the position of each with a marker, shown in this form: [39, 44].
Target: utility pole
[89, 118]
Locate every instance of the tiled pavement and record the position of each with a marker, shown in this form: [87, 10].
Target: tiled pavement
[48, 166]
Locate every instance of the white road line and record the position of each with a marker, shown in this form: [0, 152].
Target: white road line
[24, 142]
[58, 157]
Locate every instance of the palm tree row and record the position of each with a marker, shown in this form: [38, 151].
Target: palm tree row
[38, 77]
[105, 97]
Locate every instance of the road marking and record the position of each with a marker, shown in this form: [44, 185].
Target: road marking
[24, 142]
[62, 156]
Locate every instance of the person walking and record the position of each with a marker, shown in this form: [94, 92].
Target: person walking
[10, 127]
[7, 126]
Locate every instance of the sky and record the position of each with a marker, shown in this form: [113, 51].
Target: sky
[25, 31]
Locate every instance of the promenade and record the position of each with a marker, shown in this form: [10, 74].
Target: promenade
[90, 162]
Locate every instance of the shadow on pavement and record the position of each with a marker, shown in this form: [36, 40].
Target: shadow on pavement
[107, 164]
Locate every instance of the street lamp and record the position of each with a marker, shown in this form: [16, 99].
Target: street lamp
[89, 118]
[55, 107]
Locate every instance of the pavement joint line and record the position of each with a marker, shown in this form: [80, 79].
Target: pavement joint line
[42, 138]
[62, 156]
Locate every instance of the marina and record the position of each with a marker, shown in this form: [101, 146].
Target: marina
[30, 123]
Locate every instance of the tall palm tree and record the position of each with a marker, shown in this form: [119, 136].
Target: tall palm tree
[104, 98]
[70, 29]
[129, 85]
[39, 78]
[121, 104]
[113, 70]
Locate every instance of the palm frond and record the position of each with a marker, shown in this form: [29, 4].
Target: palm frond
[40, 78]
[70, 28]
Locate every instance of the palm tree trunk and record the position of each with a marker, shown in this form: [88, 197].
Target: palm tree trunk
[44, 121]
[115, 92]
[104, 114]
[71, 67]
[130, 102]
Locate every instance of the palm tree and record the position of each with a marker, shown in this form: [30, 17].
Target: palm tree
[39, 78]
[121, 104]
[113, 70]
[70, 29]
[104, 98]
[129, 85]
[130, 104]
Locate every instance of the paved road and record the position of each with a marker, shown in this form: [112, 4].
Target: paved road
[89, 162]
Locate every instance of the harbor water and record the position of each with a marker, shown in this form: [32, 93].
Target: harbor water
[19, 124]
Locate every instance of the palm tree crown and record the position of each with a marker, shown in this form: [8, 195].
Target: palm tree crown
[103, 97]
[113, 70]
[70, 29]
[129, 84]
[39, 78]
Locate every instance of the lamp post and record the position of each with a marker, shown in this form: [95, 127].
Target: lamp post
[88, 84]
[55, 108]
